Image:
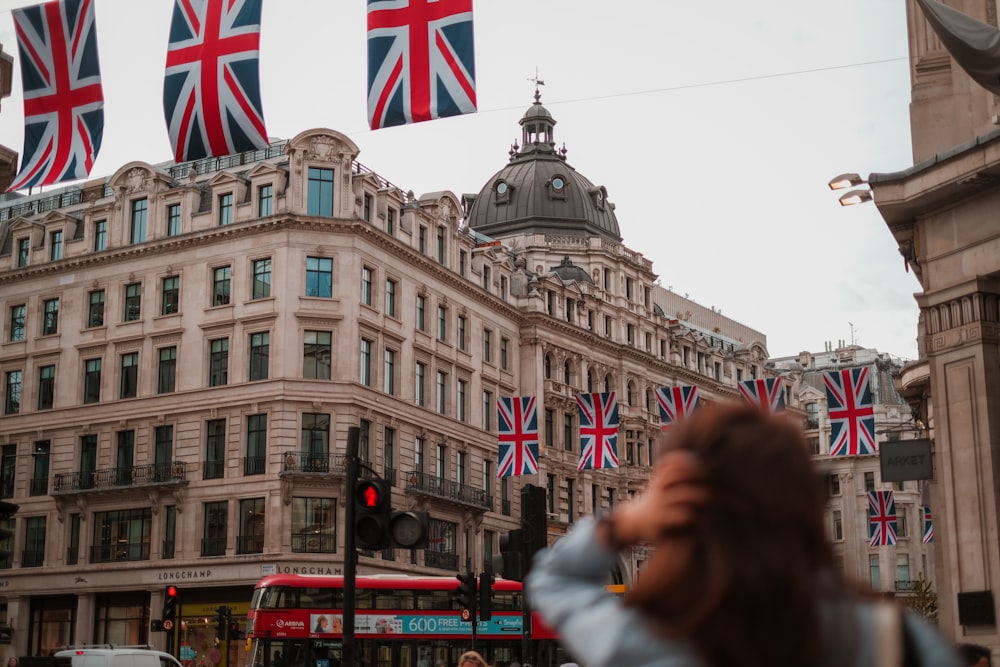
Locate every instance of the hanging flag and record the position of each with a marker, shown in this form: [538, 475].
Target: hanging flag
[676, 403]
[973, 44]
[852, 415]
[881, 519]
[211, 88]
[63, 98]
[517, 422]
[928, 525]
[768, 395]
[598, 430]
[421, 61]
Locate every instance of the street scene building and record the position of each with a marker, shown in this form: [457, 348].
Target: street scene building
[185, 346]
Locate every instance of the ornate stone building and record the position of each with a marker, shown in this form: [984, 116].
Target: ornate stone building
[184, 347]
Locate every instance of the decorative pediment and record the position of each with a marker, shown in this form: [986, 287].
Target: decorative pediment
[137, 178]
[323, 145]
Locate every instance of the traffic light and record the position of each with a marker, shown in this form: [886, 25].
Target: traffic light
[373, 511]
[7, 512]
[409, 529]
[534, 523]
[465, 594]
[512, 555]
[169, 613]
[486, 580]
[234, 632]
[222, 622]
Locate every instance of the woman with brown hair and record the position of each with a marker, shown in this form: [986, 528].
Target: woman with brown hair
[741, 572]
[471, 659]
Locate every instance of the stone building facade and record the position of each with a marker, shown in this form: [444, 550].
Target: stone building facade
[185, 346]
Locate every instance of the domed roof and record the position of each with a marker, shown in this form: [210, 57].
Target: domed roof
[568, 271]
[538, 191]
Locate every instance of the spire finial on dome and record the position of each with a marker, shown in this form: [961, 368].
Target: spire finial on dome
[538, 82]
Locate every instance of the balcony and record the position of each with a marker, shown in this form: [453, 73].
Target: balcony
[153, 474]
[249, 544]
[441, 561]
[421, 483]
[304, 463]
[905, 585]
[119, 552]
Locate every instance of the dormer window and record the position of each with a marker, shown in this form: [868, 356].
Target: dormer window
[556, 187]
[502, 190]
[599, 196]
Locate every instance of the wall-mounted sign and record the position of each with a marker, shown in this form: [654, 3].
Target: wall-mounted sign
[905, 460]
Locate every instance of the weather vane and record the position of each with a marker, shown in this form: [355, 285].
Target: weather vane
[538, 82]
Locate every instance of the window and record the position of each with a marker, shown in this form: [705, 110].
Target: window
[440, 245]
[213, 541]
[486, 278]
[226, 209]
[838, 526]
[256, 445]
[122, 535]
[173, 219]
[129, 375]
[218, 371]
[900, 521]
[570, 500]
[442, 323]
[262, 278]
[420, 384]
[391, 287]
[834, 484]
[139, 212]
[92, 381]
[550, 418]
[133, 302]
[389, 378]
[569, 431]
[504, 360]
[873, 572]
[55, 246]
[488, 408]
[320, 200]
[23, 252]
[421, 315]
[169, 531]
[487, 346]
[40, 468]
[366, 212]
[95, 310]
[463, 263]
[812, 415]
[12, 395]
[18, 314]
[166, 372]
[34, 542]
[46, 387]
[442, 391]
[903, 582]
[100, 235]
[170, 298]
[366, 286]
[462, 399]
[316, 353]
[390, 222]
[315, 442]
[460, 468]
[260, 352]
[265, 200]
[221, 281]
[50, 317]
[314, 525]
[163, 451]
[869, 481]
[251, 537]
[8, 470]
[319, 277]
[389, 453]
[215, 449]
[422, 240]
[418, 455]
[441, 461]
[366, 362]
[460, 333]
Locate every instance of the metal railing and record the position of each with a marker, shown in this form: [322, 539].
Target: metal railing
[315, 463]
[117, 478]
[446, 489]
[442, 561]
[113, 553]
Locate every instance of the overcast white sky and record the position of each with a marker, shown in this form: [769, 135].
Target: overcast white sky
[715, 127]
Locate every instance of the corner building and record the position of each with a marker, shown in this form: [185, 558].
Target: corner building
[184, 347]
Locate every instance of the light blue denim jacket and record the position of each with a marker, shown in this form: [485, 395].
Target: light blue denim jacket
[567, 587]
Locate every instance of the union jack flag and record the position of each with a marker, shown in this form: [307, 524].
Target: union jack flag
[598, 430]
[517, 422]
[421, 61]
[211, 88]
[676, 403]
[928, 525]
[768, 395]
[63, 98]
[881, 519]
[852, 416]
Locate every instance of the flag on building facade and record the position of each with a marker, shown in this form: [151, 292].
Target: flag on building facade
[852, 415]
[767, 394]
[598, 430]
[676, 403]
[421, 61]
[928, 525]
[517, 424]
[211, 87]
[63, 97]
[881, 519]
[974, 44]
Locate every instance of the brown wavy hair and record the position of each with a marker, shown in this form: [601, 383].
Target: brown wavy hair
[759, 557]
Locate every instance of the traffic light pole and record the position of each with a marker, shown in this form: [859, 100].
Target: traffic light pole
[350, 554]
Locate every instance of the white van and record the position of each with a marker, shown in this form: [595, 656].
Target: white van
[124, 656]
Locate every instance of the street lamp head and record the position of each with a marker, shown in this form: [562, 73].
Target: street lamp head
[855, 197]
[845, 181]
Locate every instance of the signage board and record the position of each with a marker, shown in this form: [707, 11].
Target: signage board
[905, 460]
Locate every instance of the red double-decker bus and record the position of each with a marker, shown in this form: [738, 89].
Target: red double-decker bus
[400, 621]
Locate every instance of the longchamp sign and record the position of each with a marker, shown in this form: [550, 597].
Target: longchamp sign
[905, 460]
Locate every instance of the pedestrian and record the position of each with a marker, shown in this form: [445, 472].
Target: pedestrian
[471, 659]
[740, 571]
[12, 662]
[975, 655]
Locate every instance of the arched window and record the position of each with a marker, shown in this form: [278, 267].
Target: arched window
[590, 382]
[630, 393]
[566, 372]
[607, 383]
[650, 401]
[548, 367]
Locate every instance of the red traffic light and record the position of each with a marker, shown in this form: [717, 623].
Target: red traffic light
[373, 494]
[171, 591]
[369, 496]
